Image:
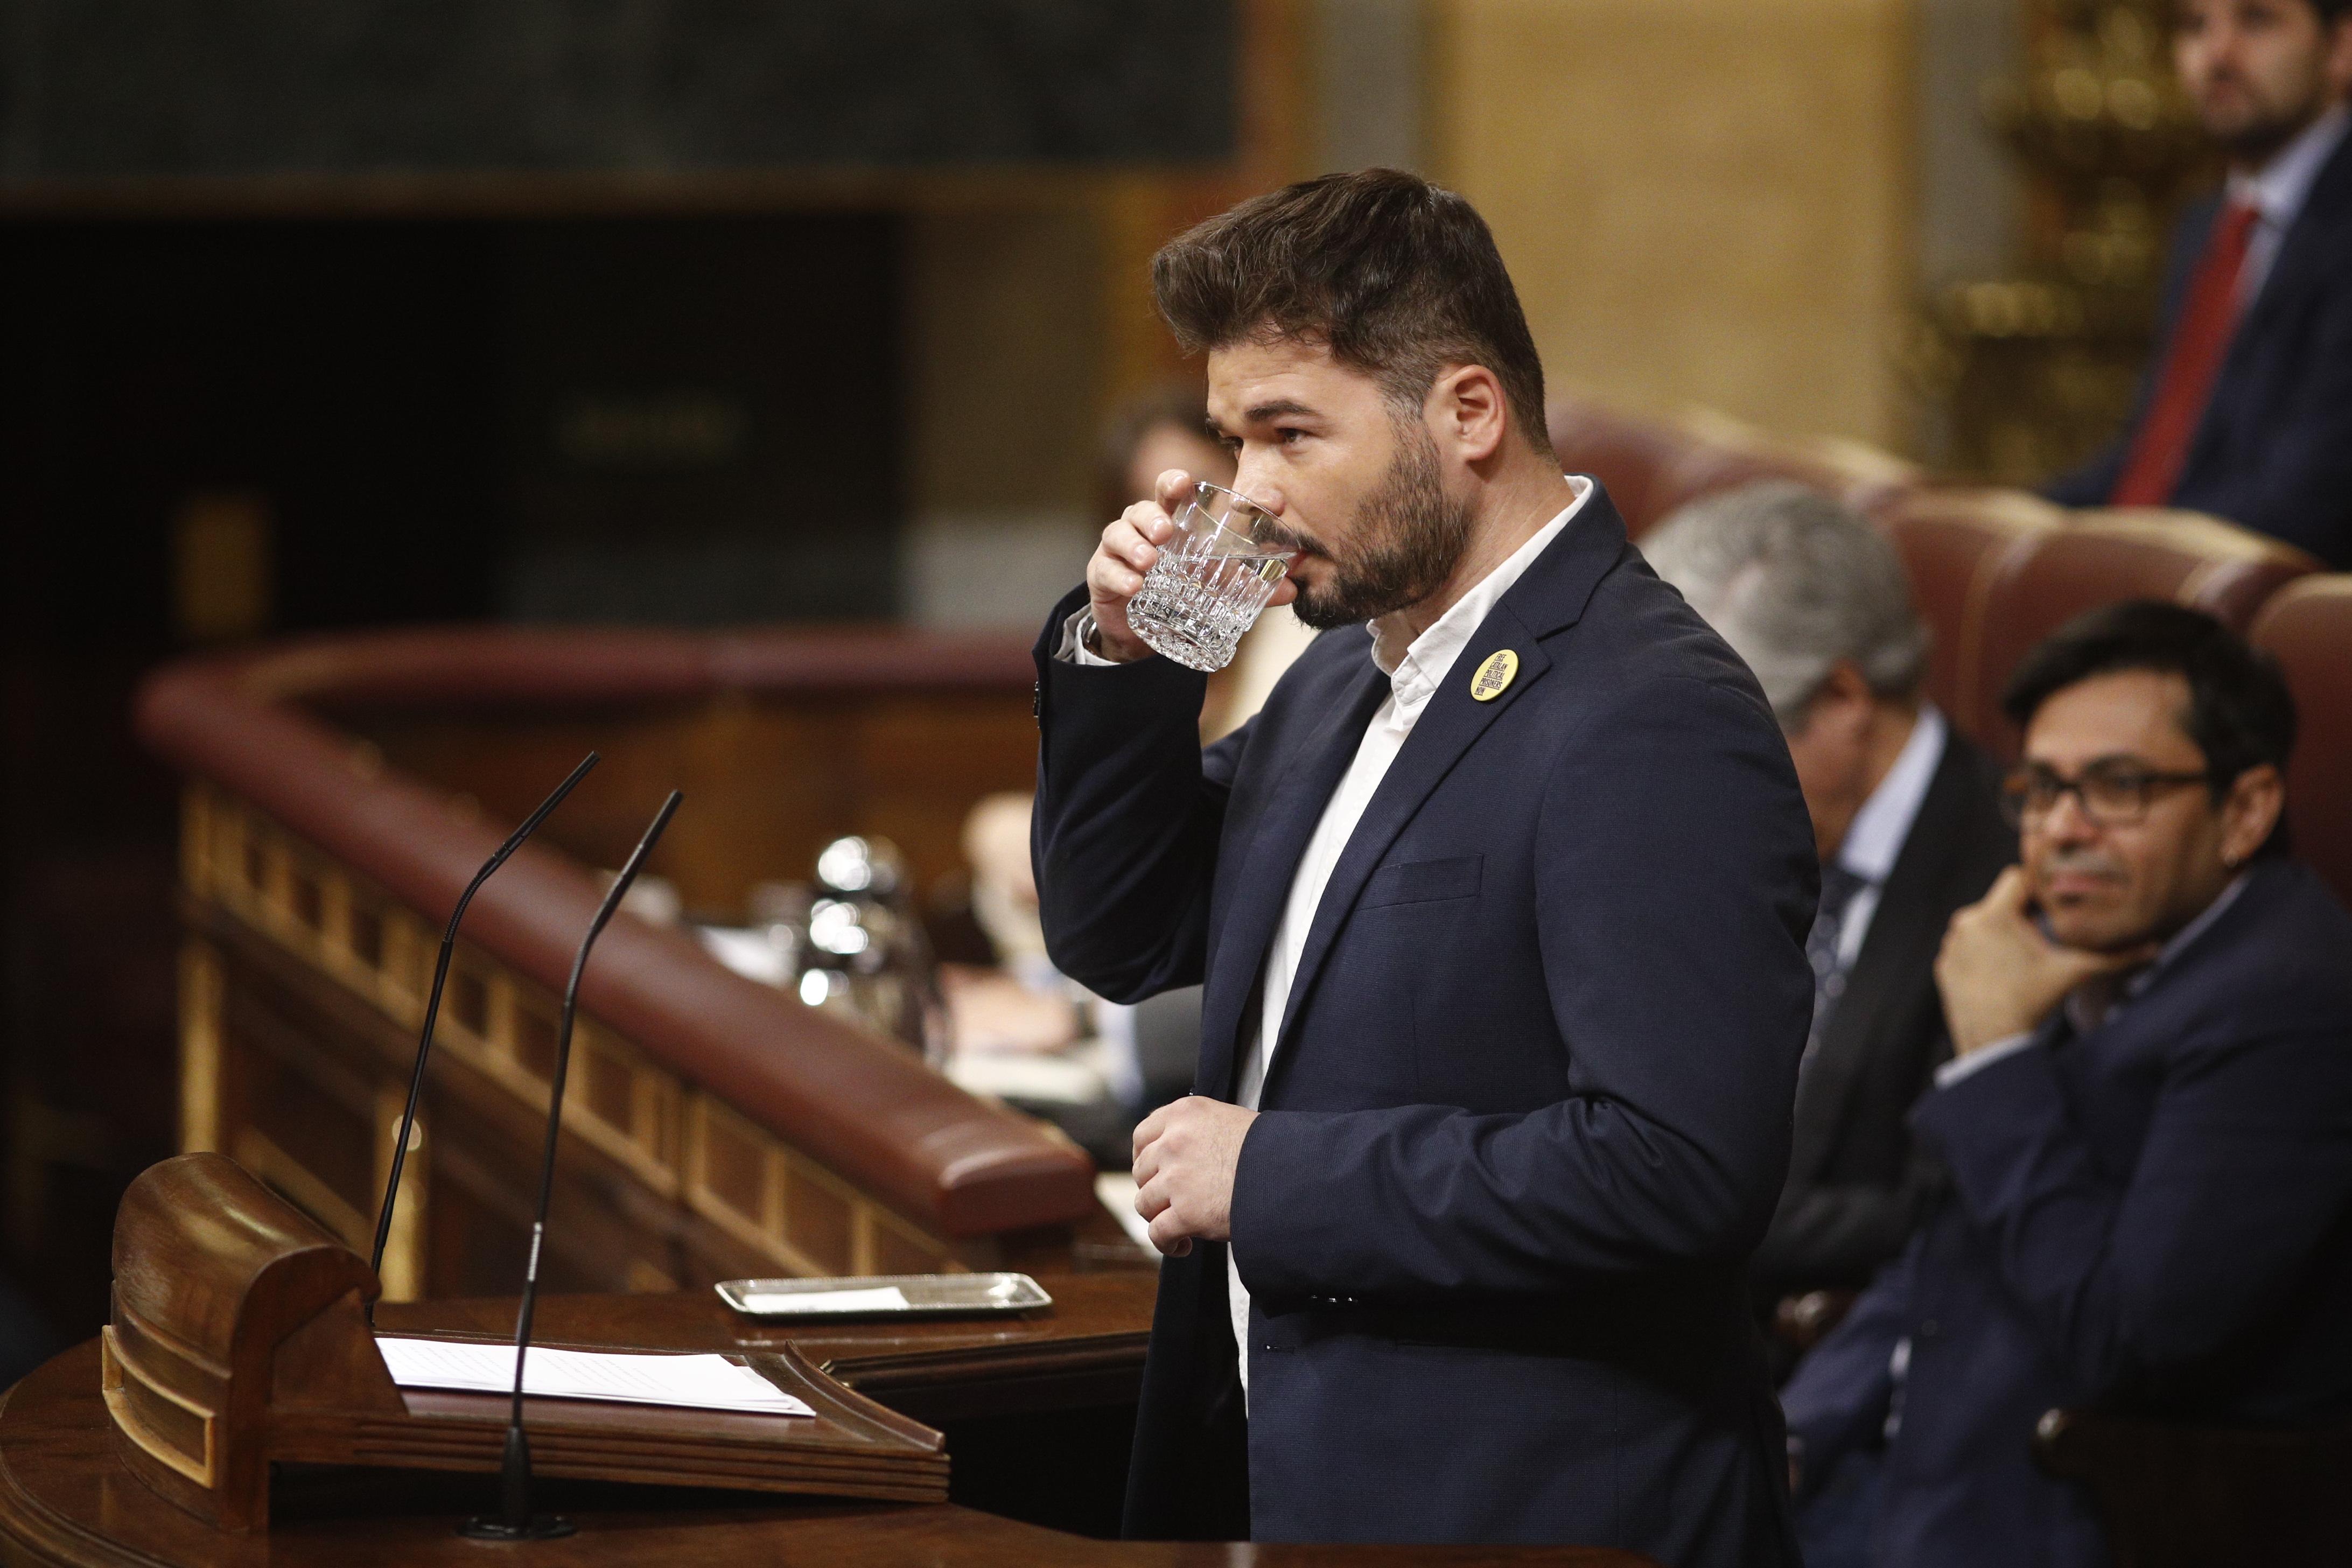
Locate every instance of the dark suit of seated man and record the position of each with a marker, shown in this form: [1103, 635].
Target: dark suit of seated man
[2247, 410]
[1500, 911]
[1908, 819]
[2149, 1123]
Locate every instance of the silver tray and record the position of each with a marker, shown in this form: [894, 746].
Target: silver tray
[867, 1295]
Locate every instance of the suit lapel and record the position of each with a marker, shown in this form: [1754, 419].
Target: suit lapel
[1896, 958]
[1447, 727]
[1551, 594]
[1263, 873]
[2307, 249]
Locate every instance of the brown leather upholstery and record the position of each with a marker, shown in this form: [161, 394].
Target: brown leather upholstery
[2307, 624]
[2102, 556]
[1954, 544]
[962, 1166]
[1635, 459]
[1650, 466]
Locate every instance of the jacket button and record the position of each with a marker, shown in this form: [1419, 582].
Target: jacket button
[1930, 1329]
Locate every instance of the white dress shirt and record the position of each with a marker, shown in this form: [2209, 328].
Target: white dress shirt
[1880, 829]
[1414, 674]
[2276, 193]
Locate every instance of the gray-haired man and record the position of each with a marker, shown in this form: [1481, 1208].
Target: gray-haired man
[1908, 819]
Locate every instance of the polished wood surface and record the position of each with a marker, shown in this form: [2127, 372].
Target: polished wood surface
[239, 1343]
[67, 1499]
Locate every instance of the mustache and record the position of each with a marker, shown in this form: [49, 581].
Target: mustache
[2082, 862]
[1273, 532]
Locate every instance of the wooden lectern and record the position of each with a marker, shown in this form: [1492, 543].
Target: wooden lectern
[239, 1337]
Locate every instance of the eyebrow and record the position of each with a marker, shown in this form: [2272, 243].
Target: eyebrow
[2135, 758]
[1260, 412]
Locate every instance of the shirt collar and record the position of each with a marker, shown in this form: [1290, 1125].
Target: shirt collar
[2088, 1007]
[1880, 828]
[2186, 935]
[1414, 676]
[2277, 190]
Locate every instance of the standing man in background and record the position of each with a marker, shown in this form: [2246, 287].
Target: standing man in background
[1500, 907]
[2247, 413]
[1908, 819]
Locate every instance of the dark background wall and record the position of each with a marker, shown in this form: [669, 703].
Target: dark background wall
[99, 88]
[553, 308]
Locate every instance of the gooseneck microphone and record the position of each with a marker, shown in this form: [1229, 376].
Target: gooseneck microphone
[515, 1521]
[433, 1007]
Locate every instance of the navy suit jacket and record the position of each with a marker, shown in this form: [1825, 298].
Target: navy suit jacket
[2155, 1217]
[2273, 450]
[1858, 1180]
[1529, 1110]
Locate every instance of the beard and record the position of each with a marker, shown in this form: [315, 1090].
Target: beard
[1413, 536]
[2258, 124]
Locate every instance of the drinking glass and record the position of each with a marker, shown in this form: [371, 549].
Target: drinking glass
[1213, 577]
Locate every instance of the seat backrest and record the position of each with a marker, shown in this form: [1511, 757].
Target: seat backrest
[2101, 557]
[2307, 627]
[1954, 544]
[1728, 452]
[1634, 459]
[1651, 467]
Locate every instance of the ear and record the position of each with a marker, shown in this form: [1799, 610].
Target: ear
[2250, 811]
[1467, 413]
[1843, 700]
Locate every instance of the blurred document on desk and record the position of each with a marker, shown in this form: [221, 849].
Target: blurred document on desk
[695, 1382]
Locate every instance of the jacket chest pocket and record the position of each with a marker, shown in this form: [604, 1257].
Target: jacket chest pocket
[1423, 881]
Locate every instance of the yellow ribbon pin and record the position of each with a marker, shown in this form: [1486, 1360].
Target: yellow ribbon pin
[1494, 676]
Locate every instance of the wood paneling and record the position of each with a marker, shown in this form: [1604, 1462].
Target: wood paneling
[296, 1044]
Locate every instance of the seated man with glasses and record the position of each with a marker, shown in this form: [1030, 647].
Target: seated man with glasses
[2147, 1121]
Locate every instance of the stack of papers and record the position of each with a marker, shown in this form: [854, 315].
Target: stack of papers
[691, 1381]
[877, 1298]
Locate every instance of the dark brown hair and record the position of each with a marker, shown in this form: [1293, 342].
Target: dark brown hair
[2241, 714]
[1395, 276]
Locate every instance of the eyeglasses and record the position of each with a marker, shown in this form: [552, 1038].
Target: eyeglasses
[2111, 794]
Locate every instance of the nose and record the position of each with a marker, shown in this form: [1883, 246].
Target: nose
[1264, 492]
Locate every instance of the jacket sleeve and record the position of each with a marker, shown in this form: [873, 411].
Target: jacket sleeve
[1839, 1396]
[1675, 878]
[1124, 836]
[2301, 490]
[2134, 1278]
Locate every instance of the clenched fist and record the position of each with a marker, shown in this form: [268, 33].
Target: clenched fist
[1185, 1156]
[2001, 976]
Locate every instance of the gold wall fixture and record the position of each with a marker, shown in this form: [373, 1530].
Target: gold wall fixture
[2038, 369]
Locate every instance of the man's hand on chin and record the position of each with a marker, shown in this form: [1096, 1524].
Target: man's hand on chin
[1185, 1155]
[2000, 976]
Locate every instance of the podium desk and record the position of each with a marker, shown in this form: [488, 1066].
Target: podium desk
[1022, 1401]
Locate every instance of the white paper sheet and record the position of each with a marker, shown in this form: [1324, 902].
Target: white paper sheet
[693, 1382]
[879, 1298]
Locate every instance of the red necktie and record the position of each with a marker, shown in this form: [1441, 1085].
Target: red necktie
[2198, 343]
